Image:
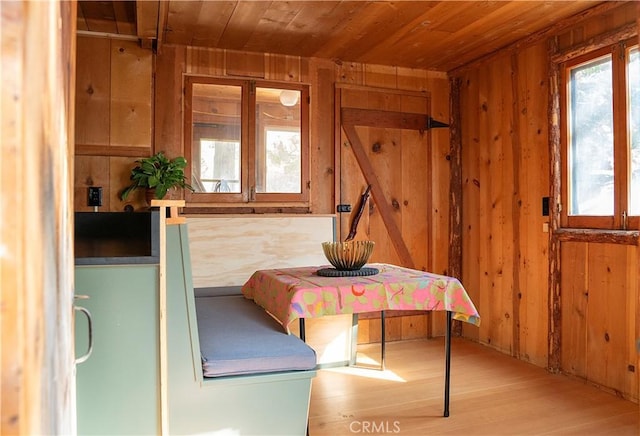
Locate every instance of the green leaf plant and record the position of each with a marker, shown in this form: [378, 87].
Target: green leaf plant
[158, 173]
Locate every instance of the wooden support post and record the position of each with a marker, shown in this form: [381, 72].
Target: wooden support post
[37, 69]
[164, 375]
[555, 312]
[147, 14]
[455, 188]
[337, 165]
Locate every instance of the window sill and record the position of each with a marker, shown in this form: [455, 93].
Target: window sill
[623, 237]
[196, 210]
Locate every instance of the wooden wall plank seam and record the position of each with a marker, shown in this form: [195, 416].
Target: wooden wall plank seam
[516, 204]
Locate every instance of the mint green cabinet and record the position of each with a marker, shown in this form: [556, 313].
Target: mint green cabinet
[118, 386]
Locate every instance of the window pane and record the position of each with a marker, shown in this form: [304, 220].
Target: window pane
[278, 147]
[217, 117]
[633, 81]
[591, 139]
[220, 166]
[282, 161]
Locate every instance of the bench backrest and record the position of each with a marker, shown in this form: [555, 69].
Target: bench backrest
[227, 249]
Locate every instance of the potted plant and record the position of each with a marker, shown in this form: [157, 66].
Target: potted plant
[157, 174]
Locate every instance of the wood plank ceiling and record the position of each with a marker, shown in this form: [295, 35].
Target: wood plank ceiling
[433, 35]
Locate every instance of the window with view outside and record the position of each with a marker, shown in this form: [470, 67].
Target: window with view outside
[633, 83]
[249, 143]
[282, 152]
[601, 139]
[216, 137]
[220, 165]
[278, 141]
[591, 183]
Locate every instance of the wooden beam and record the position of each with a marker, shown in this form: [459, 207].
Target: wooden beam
[599, 236]
[455, 182]
[163, 16]
[98, 16]
[337, 162]
[147, 14]
[598, 41]
[100, 150]
[455, 188]
[378, 195]
[125, 23]
[555, 308]
[384, 119]
[37, 70]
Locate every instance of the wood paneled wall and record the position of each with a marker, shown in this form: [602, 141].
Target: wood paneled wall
[114, 118]
[600, 313]
[506, 173]
[103, 163]
[113, 97]
[321, 75]
[108, 165]
[505, 176]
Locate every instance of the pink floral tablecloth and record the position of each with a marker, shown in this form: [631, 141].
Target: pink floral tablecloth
[292, 293]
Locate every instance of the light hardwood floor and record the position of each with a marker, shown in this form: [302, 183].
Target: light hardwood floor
[491, 394]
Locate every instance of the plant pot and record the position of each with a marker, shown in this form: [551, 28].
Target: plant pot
[149, 195]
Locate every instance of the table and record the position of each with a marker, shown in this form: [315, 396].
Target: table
[298, 293]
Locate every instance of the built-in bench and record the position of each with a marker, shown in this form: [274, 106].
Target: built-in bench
[227, 249]
[232, 368]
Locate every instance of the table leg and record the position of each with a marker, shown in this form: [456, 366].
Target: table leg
[447, 363]
[302, 333]
[353, 345]
[382, 342]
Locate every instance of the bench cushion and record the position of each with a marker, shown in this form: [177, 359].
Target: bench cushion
[217, 291]
[239, 337]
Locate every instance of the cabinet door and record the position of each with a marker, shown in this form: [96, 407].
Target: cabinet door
[117, 387]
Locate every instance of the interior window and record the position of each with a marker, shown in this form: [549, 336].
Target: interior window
[248, 141]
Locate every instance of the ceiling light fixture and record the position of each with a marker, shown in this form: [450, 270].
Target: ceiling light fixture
[289, 97]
